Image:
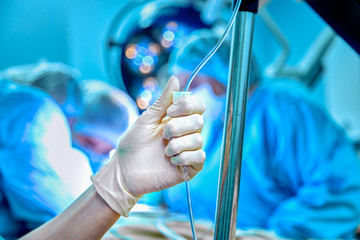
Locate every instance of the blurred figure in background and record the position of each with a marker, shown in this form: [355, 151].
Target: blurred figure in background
[40, 173]
[300, 173]
[108, 114]
[57, 79]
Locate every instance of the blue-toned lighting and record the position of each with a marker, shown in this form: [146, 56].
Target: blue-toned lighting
[178, 42]
[148, 61]
[146, 95]
[138, 60]
[172, 26]
[145, 69]
[142, 103]
[165, 43]
[142, 50]
[169, 36]
[131, 51]
[180, 33]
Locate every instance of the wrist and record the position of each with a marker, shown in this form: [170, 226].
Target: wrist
[108, 184]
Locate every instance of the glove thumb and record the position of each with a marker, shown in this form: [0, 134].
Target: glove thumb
[158, 110]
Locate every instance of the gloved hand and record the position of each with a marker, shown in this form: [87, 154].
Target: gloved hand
[150, 156]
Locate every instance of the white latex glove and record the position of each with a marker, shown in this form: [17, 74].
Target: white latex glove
[150, 156]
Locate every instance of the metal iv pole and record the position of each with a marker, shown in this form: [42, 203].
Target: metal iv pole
[230, 169]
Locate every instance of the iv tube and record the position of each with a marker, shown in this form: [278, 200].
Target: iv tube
[215, 48]
[191, 78]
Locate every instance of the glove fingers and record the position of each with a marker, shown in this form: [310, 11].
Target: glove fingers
[181, 126]
[195, 159]
[185, 143]
[186, 105]
[158, 110]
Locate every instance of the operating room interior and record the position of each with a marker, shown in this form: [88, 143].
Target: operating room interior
[134, 47]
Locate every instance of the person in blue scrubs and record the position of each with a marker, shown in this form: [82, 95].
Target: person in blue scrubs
[40, 173]
[57, 79]
[108, 114]
[83, 104]
[146, 160]
[300, 173]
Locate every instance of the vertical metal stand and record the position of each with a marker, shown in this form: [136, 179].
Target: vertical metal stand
[229, 180]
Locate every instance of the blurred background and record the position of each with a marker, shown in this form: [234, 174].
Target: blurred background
[133, 46]
[116, 40]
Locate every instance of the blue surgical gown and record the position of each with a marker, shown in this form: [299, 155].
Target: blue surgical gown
[40, 173]
[300, 173]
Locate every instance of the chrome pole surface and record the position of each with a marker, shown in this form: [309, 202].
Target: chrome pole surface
[230, 170]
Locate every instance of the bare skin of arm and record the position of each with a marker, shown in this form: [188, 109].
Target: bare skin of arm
[88, 212]
[91, 216]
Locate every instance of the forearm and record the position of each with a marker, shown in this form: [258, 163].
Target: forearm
[89, 217]
[131, 174]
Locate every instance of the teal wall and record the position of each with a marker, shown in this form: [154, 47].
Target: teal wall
[73, 32]
[31, 29]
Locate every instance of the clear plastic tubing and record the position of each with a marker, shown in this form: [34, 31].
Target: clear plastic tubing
[215, 48]
[186, 90]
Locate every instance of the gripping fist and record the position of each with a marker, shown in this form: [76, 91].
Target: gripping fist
[153, 153]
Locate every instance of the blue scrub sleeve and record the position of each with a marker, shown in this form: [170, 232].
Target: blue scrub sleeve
[315, 162]
[41, 174]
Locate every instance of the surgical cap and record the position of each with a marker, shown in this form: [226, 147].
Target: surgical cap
[108, 111]
[57, 79]
[194, 50]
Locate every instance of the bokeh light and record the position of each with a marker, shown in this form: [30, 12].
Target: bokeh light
[165, 43]
[147, 52]
[173, 35]
[131, 52]
[154, 48]
[145, 69]
[169, 35]
[172, 25]
[142, 103]
[150, 83]
[143, 55]
[146, 95]
[148, 61]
